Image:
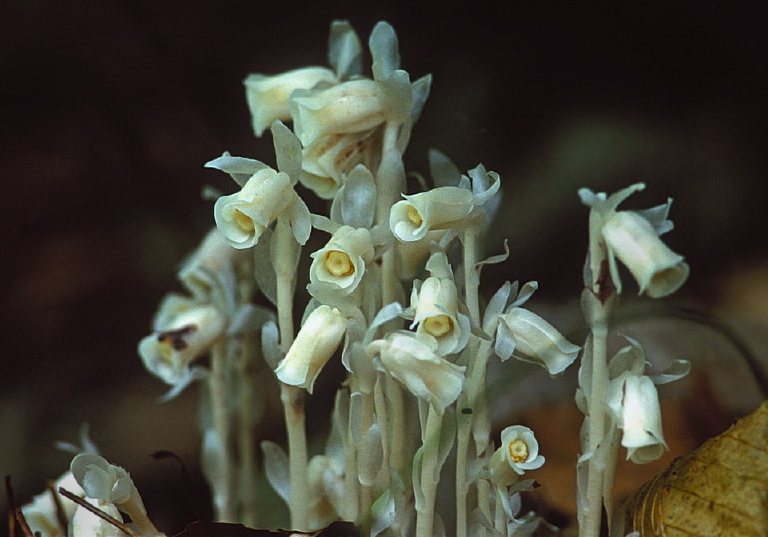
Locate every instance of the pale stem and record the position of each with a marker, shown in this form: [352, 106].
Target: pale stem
[223, 484]
[596, 430]
[500, 522]
[471, 276]
[246, 445]
[429, 473]
[366, 494]
[468, 401]
[387, 193]
[292, 397]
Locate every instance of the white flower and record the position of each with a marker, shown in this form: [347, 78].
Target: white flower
[633, 237]
[341, 262]
[41, 514]
[328, 160]
[415, 364]
[210, 268]
[353, 106]
[635, 401]
[317, 340]
[86, 523]
[440, 208]
[111, 484]
[522, 330]
[242, 217]
[435, 306]
[268, 95]
[184, 330]
[519, 452]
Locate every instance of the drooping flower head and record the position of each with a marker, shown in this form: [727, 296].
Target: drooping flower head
[633, 238]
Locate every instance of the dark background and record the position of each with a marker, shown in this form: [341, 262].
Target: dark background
[109, 109]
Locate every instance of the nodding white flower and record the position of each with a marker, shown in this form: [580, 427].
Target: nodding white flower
[414, 363]
[519, 452]
[435, 306]
[522, 330]
[635, 402]
[315, 344]
[440, 208]
[242, 217]
[329, 159]
[184, 330]
[341, 262]
[268, 95]
[211, 266]
[633, 238]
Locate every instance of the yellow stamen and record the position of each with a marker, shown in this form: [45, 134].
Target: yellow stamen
[339, 264]
[438, 325]
[243, 222]
[414, 216]
[518, 450]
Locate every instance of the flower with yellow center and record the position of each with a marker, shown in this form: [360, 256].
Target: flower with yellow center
[340, 265]
[519, 452]
[435, 306]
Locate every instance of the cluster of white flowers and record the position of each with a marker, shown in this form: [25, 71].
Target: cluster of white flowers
[394, 293]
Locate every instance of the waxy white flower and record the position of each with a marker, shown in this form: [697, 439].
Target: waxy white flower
[341, 262]
[440, 208]
[318, 339]
[414, 363]
[634, 402]
[242, 217]
[526, 332]
[112, 484]
[633, 238]
[435, 306]
[519, 453]
[184, 330]
[328, 160]
[84, 522]
[268, 95]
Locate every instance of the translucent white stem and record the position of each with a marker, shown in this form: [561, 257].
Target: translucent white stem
[222, 484]
[430, 471]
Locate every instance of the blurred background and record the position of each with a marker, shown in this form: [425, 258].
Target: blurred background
[109, 110]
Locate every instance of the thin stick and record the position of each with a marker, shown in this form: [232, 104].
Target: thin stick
[99, 513]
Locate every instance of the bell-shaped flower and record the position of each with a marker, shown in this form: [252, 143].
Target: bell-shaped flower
[242, 217]
[265, 194]
[440, 208]
[318, 339]
[341, 263]
[413, 362]
[522, 330]
[268, 95]
[435, 308]
[519, 453]
[633, 238]
[633, 401]
[184, 330]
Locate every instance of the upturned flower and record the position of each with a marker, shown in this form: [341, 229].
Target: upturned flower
[111, 484]
[414, 363]
[435, 307]
[633, 238]
[184, 330]
[341, 262]
[519, 453]
[268, 95]
[318, 339]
